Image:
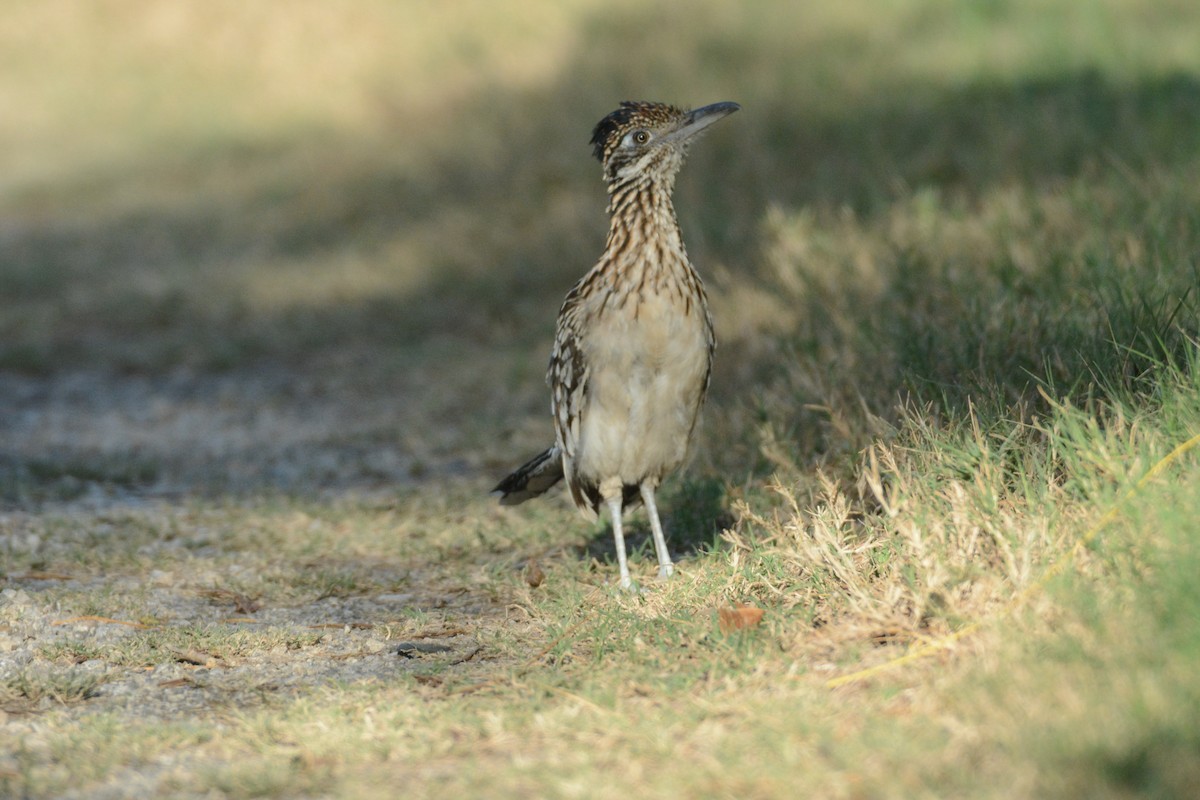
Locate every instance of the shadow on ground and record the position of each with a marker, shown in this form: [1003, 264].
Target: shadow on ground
[694, 511]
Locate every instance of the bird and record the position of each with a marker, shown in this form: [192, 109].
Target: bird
[634, 341]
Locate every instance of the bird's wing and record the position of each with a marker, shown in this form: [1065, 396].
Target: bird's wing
[568, 377]
[711, 340]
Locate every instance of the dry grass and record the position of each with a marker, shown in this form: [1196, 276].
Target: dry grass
[278, 290]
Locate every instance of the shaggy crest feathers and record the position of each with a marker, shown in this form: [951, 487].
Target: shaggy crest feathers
[632, 113]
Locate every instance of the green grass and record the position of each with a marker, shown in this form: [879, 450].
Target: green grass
[278, 288]
[25, 690]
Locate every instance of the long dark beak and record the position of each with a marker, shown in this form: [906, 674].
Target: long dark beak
[700, 118]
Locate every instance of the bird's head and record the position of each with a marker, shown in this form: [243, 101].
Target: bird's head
[649, 140]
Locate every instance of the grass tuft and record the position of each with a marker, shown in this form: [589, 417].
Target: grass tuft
[28, 690]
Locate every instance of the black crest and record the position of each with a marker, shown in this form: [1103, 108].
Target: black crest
[631, 114]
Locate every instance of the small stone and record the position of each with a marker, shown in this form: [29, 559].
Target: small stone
[414, 649]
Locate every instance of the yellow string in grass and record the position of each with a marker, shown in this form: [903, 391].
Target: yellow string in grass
[1054, 569]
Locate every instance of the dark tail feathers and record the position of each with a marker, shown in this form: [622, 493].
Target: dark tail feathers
[533, 478]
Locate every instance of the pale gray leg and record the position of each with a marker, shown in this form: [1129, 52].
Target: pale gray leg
[665, 568]
[614, 510]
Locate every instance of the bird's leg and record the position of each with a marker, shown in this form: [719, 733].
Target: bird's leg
[614, 511]
[665, 567]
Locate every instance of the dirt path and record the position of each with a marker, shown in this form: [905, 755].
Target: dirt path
[155, 565]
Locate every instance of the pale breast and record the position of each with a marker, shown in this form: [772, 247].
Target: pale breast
[649, 360]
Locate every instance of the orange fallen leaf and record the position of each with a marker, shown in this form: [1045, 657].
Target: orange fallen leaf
[534, 576]
[739, 617]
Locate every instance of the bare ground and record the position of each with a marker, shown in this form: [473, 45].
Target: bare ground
[177, 617]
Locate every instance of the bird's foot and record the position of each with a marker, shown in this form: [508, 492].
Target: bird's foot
[665, 571]
[631, 588]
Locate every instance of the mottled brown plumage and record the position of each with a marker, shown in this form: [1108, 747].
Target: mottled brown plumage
[633, 347]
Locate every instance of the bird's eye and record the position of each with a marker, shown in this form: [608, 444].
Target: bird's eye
[641, 137]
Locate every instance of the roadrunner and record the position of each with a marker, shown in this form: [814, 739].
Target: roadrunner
[634, 343]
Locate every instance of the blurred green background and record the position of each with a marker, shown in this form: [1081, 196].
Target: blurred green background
[388, 200]
[212, 183]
